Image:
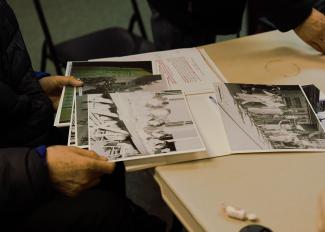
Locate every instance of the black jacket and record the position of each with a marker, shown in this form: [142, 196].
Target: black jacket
[225, 17]
[26, 122]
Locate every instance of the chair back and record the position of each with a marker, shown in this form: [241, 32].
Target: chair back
[136, 17]
[48, 42]
[48, 48]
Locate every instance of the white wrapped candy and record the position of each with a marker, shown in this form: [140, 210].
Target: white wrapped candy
[238, 213]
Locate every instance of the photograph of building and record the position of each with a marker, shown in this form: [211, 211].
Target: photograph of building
[317, 100]
[141, 124]
[105, 78]
[270, 116]
[86, 71]
[108, 135]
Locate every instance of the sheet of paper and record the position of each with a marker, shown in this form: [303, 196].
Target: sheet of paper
[63, 114]
[72, 129]
[135, 125]
[81, 121]
[316, 98]
[93, 74]
[184, 69]
[209, 123]
[134, 84]
[268, 118]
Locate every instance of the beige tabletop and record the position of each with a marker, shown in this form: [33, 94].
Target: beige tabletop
[281, 188]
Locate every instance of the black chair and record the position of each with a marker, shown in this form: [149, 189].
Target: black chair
[110, 42]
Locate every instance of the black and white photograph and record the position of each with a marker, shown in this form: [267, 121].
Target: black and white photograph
[135, 125]
[116, 84]
[108, 134]
[109, 77]
[106, 77]
[72, 128]
[268, 118]
[105, 73]
[81, 117]
[317, 100]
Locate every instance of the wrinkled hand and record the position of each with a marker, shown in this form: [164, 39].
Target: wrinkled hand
[53, 85]
[312, 31]
[73, 169]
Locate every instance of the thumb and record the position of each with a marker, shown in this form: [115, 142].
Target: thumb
[69, 80]
[103, 166]
[87, 153]
[74, 82]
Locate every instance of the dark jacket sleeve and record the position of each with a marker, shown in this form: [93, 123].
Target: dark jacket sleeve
[24, 105]
[13, 105]
[284, 14]
[24, 181]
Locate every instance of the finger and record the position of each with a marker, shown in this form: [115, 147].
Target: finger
[93, 155]
[74, 81]
[316, 46]
[103, 166]
[87, 153]
[69, 80]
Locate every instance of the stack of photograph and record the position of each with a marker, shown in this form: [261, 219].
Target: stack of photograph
[124, 112]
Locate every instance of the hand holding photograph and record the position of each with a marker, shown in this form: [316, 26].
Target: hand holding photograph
[96, 76]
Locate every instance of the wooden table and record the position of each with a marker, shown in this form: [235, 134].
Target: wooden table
[281, 188]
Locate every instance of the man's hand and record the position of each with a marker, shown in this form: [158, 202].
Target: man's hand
[312, 30]
[73, 169]
[53, 85]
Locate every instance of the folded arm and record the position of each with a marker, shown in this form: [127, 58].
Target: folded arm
[308, 23]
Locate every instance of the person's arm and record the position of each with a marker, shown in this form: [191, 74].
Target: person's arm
[27, 178]
[308, 23]
[53, 85]
[312, 30]
[12, 104]
[24, 181]
[284, 14]
[72, 169]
